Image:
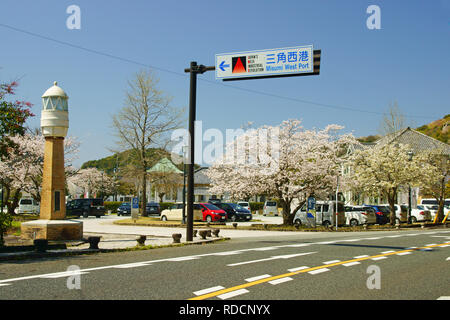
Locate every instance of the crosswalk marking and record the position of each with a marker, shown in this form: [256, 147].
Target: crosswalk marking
[349, 264]
[298, 268]
[318, 271]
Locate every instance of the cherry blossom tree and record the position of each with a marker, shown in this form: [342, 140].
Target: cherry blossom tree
[385, 170]
[93, 180]
[437, 177]
[286, 162]
[21, 171]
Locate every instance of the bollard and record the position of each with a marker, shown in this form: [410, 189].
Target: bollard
[202, 234]
[40, 245]
[208, 233]
[141, 240]
[195, 233]
[365, 226]
[216, 232]
[93, 242]
[235, 225]
[176, 237]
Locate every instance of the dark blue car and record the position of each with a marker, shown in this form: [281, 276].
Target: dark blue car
[235, 212]
[382, 213]
[124, 209]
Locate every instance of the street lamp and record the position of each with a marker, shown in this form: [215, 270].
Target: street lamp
[184, 149]
[410, 156]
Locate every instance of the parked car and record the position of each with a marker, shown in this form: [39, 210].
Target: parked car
[212, 213]
[235, 212]
[432, 201]
[325, 214]
[357, 215]
[214, 201]
[153, 208]
[270, 208]
[175, 212]
[420, 214]
[401, 212]
[28, 205]
[86, 207]
[382, 211]
[124, 209]
[245, 205]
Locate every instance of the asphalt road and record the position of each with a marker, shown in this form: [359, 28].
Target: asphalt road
[412, 264]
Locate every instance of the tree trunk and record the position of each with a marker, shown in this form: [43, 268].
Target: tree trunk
[441, 202]
[288, 218]
[391, 200]
[144, 193]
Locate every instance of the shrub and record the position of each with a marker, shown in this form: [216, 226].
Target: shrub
[112, 205]
[254, 206]
[165, 205]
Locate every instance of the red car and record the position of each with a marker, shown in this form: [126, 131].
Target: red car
[212, 213]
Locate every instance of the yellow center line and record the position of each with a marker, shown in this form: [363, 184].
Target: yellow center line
[253, 283]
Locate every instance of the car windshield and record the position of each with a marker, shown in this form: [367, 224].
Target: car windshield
[384, 209]
[420, 207]
[271, 204]
[236, 206]
[243, 204]
[25, 201]
[211, 206]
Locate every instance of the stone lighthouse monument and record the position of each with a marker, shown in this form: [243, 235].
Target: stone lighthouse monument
[54, 124]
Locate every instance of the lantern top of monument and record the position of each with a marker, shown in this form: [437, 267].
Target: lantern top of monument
[55, 91]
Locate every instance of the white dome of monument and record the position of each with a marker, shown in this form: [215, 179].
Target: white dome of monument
[55, 91]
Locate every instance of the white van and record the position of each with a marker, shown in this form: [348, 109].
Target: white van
[325, 214]
[433, 201]
[28, 205]
[270, 208]
[244, 204]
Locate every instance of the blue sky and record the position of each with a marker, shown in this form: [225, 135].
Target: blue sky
[362, 70]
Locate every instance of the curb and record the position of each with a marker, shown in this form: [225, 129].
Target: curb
[69, 252]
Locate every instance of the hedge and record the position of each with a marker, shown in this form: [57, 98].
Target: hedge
[254, 206]
[112, 205]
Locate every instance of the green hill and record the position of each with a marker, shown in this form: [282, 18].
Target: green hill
[439, 129]
[121, 159]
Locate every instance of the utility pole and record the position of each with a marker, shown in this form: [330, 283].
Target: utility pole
[193, 70]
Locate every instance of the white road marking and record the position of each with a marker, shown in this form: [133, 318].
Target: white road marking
[182, 258]
[227, 253]
[412, 234]
[349, 264]
[299, 245]
[326, 242]
[390, 251]
[374, 238]
[397, 236]
[208, 290]
[281, 280]
[448, 259]
[319, 271]
[271, 258]
[298, 268]
[258, 278]
[444, 298]
[232, 294]
[132, 265]
[352, 240]
[265, 249]
[63, 274]
[379, 258]
[403, 253]
[4, 284]
[331, 261]
[445, 246]
[363, 256]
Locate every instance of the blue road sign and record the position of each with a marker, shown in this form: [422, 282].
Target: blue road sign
[135, 203]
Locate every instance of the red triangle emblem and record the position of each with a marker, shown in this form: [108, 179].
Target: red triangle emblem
[239, 67]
